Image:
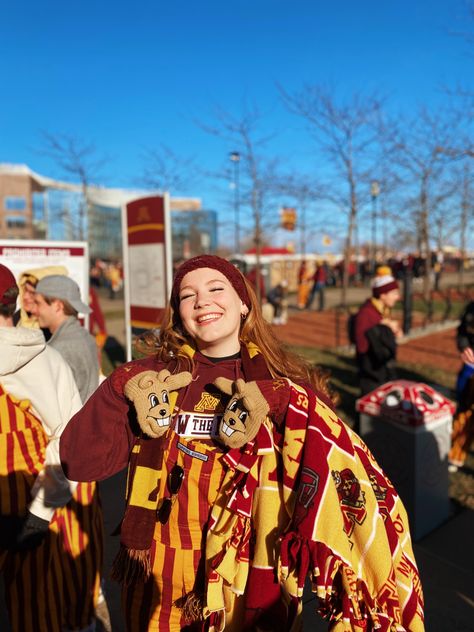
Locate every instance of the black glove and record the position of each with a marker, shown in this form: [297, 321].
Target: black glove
[32, 533]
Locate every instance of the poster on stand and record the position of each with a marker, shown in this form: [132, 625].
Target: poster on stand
[22, 255]
[147, 264]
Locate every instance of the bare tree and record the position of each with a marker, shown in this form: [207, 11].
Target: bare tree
[419, 147]
[258, 170]
[348, 133]
[77, 159]
[166, 170]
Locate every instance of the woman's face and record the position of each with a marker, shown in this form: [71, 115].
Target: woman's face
[211, 312]
[28, 297]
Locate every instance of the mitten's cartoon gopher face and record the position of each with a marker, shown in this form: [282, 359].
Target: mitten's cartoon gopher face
[234, 419]
[244, 414]
[149, 391]
[159, 410]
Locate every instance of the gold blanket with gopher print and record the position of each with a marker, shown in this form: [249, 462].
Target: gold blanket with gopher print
[307, 499]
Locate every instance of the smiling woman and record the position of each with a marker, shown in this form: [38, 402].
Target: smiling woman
[236, 459]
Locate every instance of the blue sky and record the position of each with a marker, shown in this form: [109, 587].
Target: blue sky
[128, 76]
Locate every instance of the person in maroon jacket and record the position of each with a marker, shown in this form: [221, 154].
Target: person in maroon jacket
[376, 334]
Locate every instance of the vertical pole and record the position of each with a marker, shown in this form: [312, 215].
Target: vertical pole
[407, 301]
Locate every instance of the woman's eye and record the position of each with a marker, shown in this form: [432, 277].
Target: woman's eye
[216, 289]
[185, 296]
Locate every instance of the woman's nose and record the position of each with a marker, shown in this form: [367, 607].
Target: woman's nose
[202, 299]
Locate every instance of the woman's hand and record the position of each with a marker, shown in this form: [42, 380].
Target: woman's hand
[393, 325]
[467, 356]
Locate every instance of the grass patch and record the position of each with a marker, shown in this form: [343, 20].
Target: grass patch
[344, 379]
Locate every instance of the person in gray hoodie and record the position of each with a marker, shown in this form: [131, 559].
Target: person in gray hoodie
[38, 396]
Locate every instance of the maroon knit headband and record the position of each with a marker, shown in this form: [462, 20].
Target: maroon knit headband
[231, 273]
[383, 289]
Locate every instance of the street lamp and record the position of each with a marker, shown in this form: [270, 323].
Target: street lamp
[235, 157]
[374, 193]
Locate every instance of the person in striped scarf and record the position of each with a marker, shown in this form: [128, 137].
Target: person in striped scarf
[243, 483]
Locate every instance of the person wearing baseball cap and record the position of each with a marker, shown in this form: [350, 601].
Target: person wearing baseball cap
[57, 306]
[375, 333]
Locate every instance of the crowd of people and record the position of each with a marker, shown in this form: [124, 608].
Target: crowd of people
[242, 480]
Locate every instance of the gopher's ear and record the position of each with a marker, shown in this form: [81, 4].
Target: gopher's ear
[163, 374]
[224, 385]
[240, 387]
[140, 382]
[174, 382]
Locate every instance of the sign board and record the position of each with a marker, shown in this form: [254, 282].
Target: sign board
[20, 255]
[146, 232]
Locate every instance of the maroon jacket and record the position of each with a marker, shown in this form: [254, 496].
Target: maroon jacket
[376, 348]
[367, 317]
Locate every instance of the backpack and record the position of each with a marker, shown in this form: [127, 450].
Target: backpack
[351, 327]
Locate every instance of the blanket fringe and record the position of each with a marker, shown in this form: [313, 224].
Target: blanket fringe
[131, 565]
[339, 592]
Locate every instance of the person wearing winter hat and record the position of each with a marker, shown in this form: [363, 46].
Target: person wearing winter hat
[376, 334]
[242, 479]
[38, 395]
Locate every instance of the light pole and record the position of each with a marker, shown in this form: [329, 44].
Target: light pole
[374, 193]
[235, 157]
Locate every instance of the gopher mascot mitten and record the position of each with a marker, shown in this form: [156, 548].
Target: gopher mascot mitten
[149, 391]
[249, 405]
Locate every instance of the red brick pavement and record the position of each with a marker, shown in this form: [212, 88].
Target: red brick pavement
[328, 329]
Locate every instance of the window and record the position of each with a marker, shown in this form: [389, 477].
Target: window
[16, 221]
[14, 203]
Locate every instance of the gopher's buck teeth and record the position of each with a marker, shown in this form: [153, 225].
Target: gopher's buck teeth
[165, 421]
[227, 430]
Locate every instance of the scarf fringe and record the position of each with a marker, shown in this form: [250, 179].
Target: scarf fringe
[192, 607]
[131, 565]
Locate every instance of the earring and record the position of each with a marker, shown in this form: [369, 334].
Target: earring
[243, 316]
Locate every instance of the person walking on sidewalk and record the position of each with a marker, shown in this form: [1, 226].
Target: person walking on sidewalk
[319, 284]
[375, 333]
[242, 479]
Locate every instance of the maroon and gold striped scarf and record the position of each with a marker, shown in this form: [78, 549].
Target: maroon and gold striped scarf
[146, 461]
